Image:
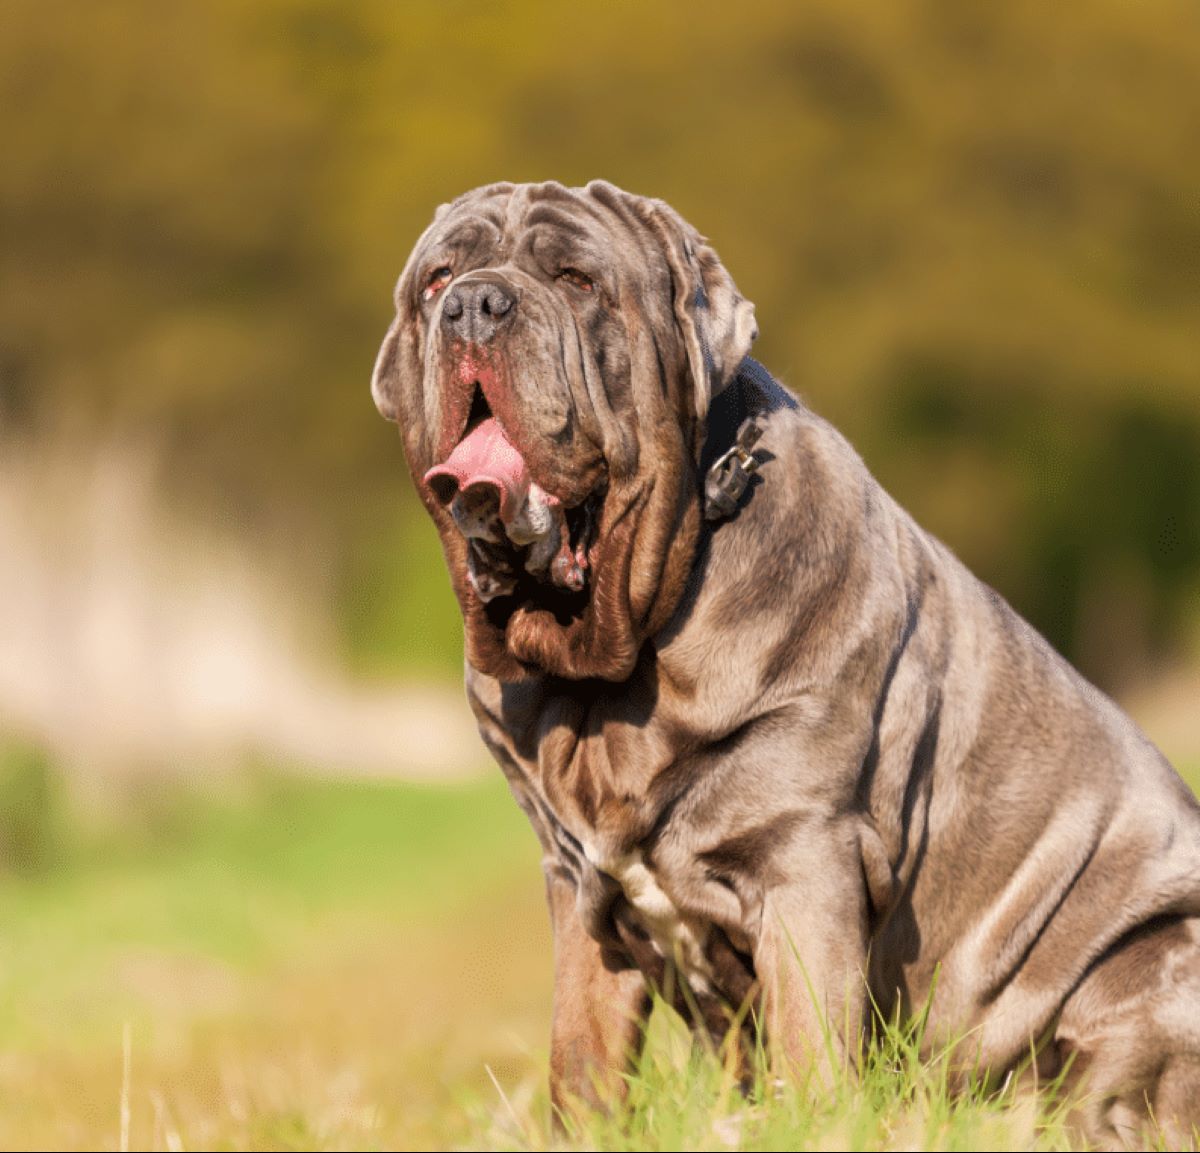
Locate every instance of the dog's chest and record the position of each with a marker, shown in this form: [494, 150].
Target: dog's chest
[591, 824]
[677, 936]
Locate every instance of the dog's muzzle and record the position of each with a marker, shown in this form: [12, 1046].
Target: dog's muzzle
[496, 504]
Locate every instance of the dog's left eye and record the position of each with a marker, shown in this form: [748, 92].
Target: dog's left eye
[579, 279]
[438, 279]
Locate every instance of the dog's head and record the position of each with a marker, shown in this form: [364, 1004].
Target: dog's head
[550, 366]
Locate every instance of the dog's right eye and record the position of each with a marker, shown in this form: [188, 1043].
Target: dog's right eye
[580, 280]
[438, 279]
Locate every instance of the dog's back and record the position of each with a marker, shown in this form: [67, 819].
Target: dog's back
[1045, 857]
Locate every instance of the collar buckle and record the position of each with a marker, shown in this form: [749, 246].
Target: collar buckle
[730, 474]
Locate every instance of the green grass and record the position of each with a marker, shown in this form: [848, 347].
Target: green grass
[268, 950]
[303, 964]
[249, 881]
[683, 1098]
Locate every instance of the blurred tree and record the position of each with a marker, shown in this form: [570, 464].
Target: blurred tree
[973, 234]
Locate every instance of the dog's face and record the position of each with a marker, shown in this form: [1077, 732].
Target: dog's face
[551, 363]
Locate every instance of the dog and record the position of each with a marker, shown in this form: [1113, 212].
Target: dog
[785, 755]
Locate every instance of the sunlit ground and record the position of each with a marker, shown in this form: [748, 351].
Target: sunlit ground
[298, 965]
[308, 965]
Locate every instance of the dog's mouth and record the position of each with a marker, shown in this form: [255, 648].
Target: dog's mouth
[523, 542]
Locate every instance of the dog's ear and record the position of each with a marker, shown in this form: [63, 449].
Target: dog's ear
[393, 363]
[396, 385]
[717, 323]
[385, 380]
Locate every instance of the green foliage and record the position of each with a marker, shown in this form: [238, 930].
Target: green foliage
[394, 596]
[205, 206]
[1107, 501]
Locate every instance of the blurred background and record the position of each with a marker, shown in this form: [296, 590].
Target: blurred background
[230, 703]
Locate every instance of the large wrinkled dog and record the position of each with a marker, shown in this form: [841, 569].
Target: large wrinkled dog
[772, 735]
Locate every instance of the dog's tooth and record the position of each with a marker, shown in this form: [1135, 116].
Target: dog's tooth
[539, 515]
[543, 551]
[544, 521]
[534, 521]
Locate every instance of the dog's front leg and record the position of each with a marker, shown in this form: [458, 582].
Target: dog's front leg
[811, 954]
[601, 1004]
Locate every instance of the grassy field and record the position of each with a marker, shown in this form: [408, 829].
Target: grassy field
[309, 965]
[300, 964]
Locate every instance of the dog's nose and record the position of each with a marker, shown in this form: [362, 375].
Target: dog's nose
[475, 311]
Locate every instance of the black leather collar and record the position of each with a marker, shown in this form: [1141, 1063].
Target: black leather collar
[728, 461]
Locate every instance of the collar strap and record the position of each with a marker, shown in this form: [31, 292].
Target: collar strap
[728, 461]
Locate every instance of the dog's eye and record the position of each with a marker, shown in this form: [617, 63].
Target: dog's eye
[438, 279]
[581, 281]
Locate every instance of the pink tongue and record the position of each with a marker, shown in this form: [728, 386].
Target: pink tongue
[487, 456]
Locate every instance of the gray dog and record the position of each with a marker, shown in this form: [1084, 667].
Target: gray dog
[780, 748]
